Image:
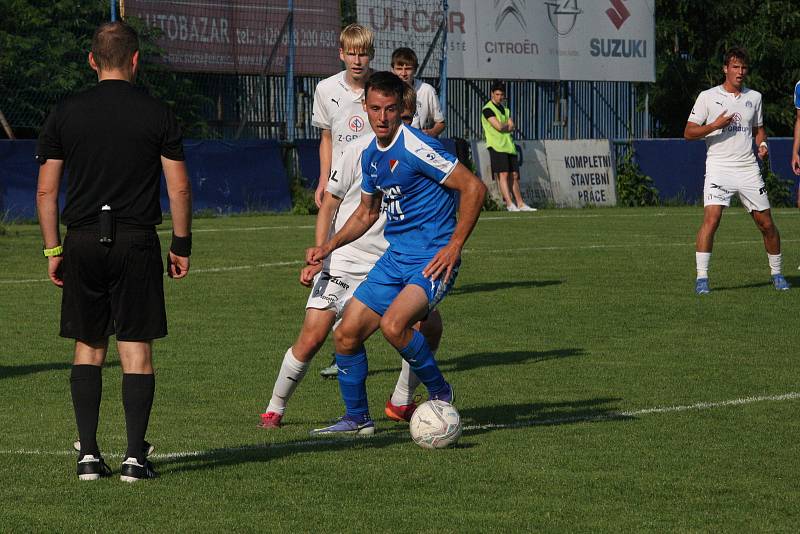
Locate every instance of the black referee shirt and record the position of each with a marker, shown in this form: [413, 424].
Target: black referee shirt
[111, 138]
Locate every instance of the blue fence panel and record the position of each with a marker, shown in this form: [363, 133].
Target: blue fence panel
[226, 177]
[237, 176]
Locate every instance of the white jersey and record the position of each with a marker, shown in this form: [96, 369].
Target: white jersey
[345, 183]
[731, 148]
[428, 110]
[338, 108]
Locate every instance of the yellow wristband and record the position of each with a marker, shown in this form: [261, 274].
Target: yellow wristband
[55, 251]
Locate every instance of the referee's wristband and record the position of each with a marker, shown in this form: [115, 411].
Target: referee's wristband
[181, 246]
[55, 251]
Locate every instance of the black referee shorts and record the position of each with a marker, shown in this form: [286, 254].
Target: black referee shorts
[117, 289]
[503, 162]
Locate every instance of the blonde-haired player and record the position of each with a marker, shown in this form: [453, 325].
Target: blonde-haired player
[334, 283]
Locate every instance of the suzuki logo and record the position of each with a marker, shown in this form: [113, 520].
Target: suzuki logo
[618, 13]
[509, 7]
[563, 14]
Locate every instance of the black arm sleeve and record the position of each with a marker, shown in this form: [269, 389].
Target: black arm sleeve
[172, 141]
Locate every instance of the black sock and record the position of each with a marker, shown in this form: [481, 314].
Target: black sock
[86, 383]
[137, 398]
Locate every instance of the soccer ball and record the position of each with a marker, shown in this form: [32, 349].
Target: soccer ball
[435, 425]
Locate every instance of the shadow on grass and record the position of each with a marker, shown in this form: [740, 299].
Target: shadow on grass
[485, 359]
[497, 286]
[502, 417]
[743, 286]
[11, 371]
[475, 420]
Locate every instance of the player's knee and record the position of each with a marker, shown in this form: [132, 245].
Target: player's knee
[392, 330]
[346, 341]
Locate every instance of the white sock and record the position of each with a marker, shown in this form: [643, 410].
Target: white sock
[407, 383]
[291, 373]
[775, 263]
[702, 259]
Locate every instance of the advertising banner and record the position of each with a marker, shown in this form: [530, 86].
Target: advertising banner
[238, 36]
[581, 173]
[602, 40]
[563, 174]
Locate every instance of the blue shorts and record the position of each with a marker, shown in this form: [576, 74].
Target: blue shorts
[392, 273]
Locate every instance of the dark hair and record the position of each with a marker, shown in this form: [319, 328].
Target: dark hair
[497, 85]
[406, 56]
[113, 45]
[735, 52]
[387, 83]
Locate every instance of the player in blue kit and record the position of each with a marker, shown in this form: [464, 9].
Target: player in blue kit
[418, 180]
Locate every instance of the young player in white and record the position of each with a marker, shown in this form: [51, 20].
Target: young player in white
[334, 283]
[428, 116]
[796, 143]
[338, 110]
[727, 117]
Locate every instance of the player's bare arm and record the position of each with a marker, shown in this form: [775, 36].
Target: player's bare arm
[472, 193]
[327, 210]
[796, 148]
[362, 219]
[325, 159]
[180, 205]
[695, 131]
[435, 130]
[47, 208]
[760, 135]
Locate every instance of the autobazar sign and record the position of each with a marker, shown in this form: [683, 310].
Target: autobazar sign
[240, 35]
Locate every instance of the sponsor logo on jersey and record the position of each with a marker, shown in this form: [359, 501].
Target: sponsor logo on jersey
[336, 101]
[355, 123]
[748, 104]
[393, 164]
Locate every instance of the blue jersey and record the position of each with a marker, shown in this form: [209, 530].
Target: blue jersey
[420, 211]
[797, 95]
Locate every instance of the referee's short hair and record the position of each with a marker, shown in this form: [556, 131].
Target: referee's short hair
[113, 45]
[497, 85]
[387, 83]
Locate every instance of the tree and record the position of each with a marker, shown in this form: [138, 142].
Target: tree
[693, 35]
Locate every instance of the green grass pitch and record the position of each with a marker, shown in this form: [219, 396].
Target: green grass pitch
[598, 393]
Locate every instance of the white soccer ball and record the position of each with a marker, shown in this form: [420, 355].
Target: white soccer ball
[435, 425]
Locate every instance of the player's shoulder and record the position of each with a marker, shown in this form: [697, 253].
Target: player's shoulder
[423, 87]
[751, 94]
[357, 146]
[331, 83]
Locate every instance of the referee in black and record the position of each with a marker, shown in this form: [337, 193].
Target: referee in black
[114, 140]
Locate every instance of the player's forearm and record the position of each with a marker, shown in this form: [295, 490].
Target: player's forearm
[696, 131]
[436, 129]
[47, 208]
[356, 226]
[761, 135]
[47, 201]
[179, 190]
[322, 228]
[470, 203]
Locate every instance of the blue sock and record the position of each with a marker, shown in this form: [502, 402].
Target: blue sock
[353, 382]
[420, 358]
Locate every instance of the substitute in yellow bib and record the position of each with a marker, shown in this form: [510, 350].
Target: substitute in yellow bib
[497, 127]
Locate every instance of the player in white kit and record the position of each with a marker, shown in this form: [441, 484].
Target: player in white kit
[727, 117]
[428, 116]
[334, 283]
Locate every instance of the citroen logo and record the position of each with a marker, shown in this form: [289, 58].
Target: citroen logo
[508, 8]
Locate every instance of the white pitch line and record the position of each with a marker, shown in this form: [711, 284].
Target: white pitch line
[466, 251]
[698, 406]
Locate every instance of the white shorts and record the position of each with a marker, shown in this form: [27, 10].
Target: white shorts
[334, 286]
[749, 185]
